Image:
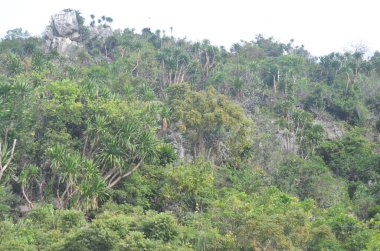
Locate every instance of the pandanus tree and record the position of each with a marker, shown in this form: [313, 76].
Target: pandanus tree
[120, 138]
[13, 64]
[173, 64]
[207, 58]
[92, 187]
[30, 178]
[282, 72]
[66, 168]
[14, 118]
[123, 153]
[76, 180]
[101, 140]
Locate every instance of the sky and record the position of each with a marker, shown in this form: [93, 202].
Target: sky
[322, 26]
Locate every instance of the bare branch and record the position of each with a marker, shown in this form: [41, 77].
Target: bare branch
[12, 154]
[132, 170]
[113, 182]
[30, 204]
[3, 168]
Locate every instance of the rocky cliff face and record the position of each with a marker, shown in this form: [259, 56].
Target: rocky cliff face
[62, 33]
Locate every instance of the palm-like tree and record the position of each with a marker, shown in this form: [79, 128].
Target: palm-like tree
[126, 151]
[96, 129]
[92, 188]
[66, 172]
[165, 117]
[28, 176]
[69, 174]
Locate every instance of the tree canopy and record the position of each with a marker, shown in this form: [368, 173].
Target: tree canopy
[144, 141]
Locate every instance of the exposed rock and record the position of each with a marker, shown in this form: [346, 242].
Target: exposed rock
[64, 23]
[63, 33]
[333, 130]
[64, 45]
[100, 33]
[49, 33]
[287, 140]
[75, 37]
[176, 140]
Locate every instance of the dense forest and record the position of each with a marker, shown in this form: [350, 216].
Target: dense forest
[144, 141]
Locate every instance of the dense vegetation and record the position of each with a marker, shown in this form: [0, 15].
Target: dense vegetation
[144, 141]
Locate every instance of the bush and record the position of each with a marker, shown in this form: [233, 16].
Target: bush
[42, 216]
[310, 179]
[69, 219]
[162, 226]
[8, 202]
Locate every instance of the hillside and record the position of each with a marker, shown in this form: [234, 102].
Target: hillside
[125, 140]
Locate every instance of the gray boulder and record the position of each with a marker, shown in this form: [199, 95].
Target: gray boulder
[64, 23]
[75, 37]
[64, 45]
[63, 33]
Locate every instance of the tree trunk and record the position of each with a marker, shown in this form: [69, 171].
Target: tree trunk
[30, 204]
[274, 85]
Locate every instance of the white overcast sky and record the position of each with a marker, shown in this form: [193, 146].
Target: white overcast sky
[323, 26]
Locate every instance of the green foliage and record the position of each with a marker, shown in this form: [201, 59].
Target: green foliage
[323, 239]
[310, 179]
[13, 64]
[150, 142]
[166, 155]
[140, 189]
[103, 234]
[161, 226]
[351, 157]
[270, 218]
[247, 179]
[209, 120]
[8, 202]
[69, 219]
[16, 34]
[113, 230]
[194, 187]
[42, 216]
[350, 232]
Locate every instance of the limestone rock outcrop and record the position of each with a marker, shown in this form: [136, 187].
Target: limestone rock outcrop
[63, 33]
[100, 33]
